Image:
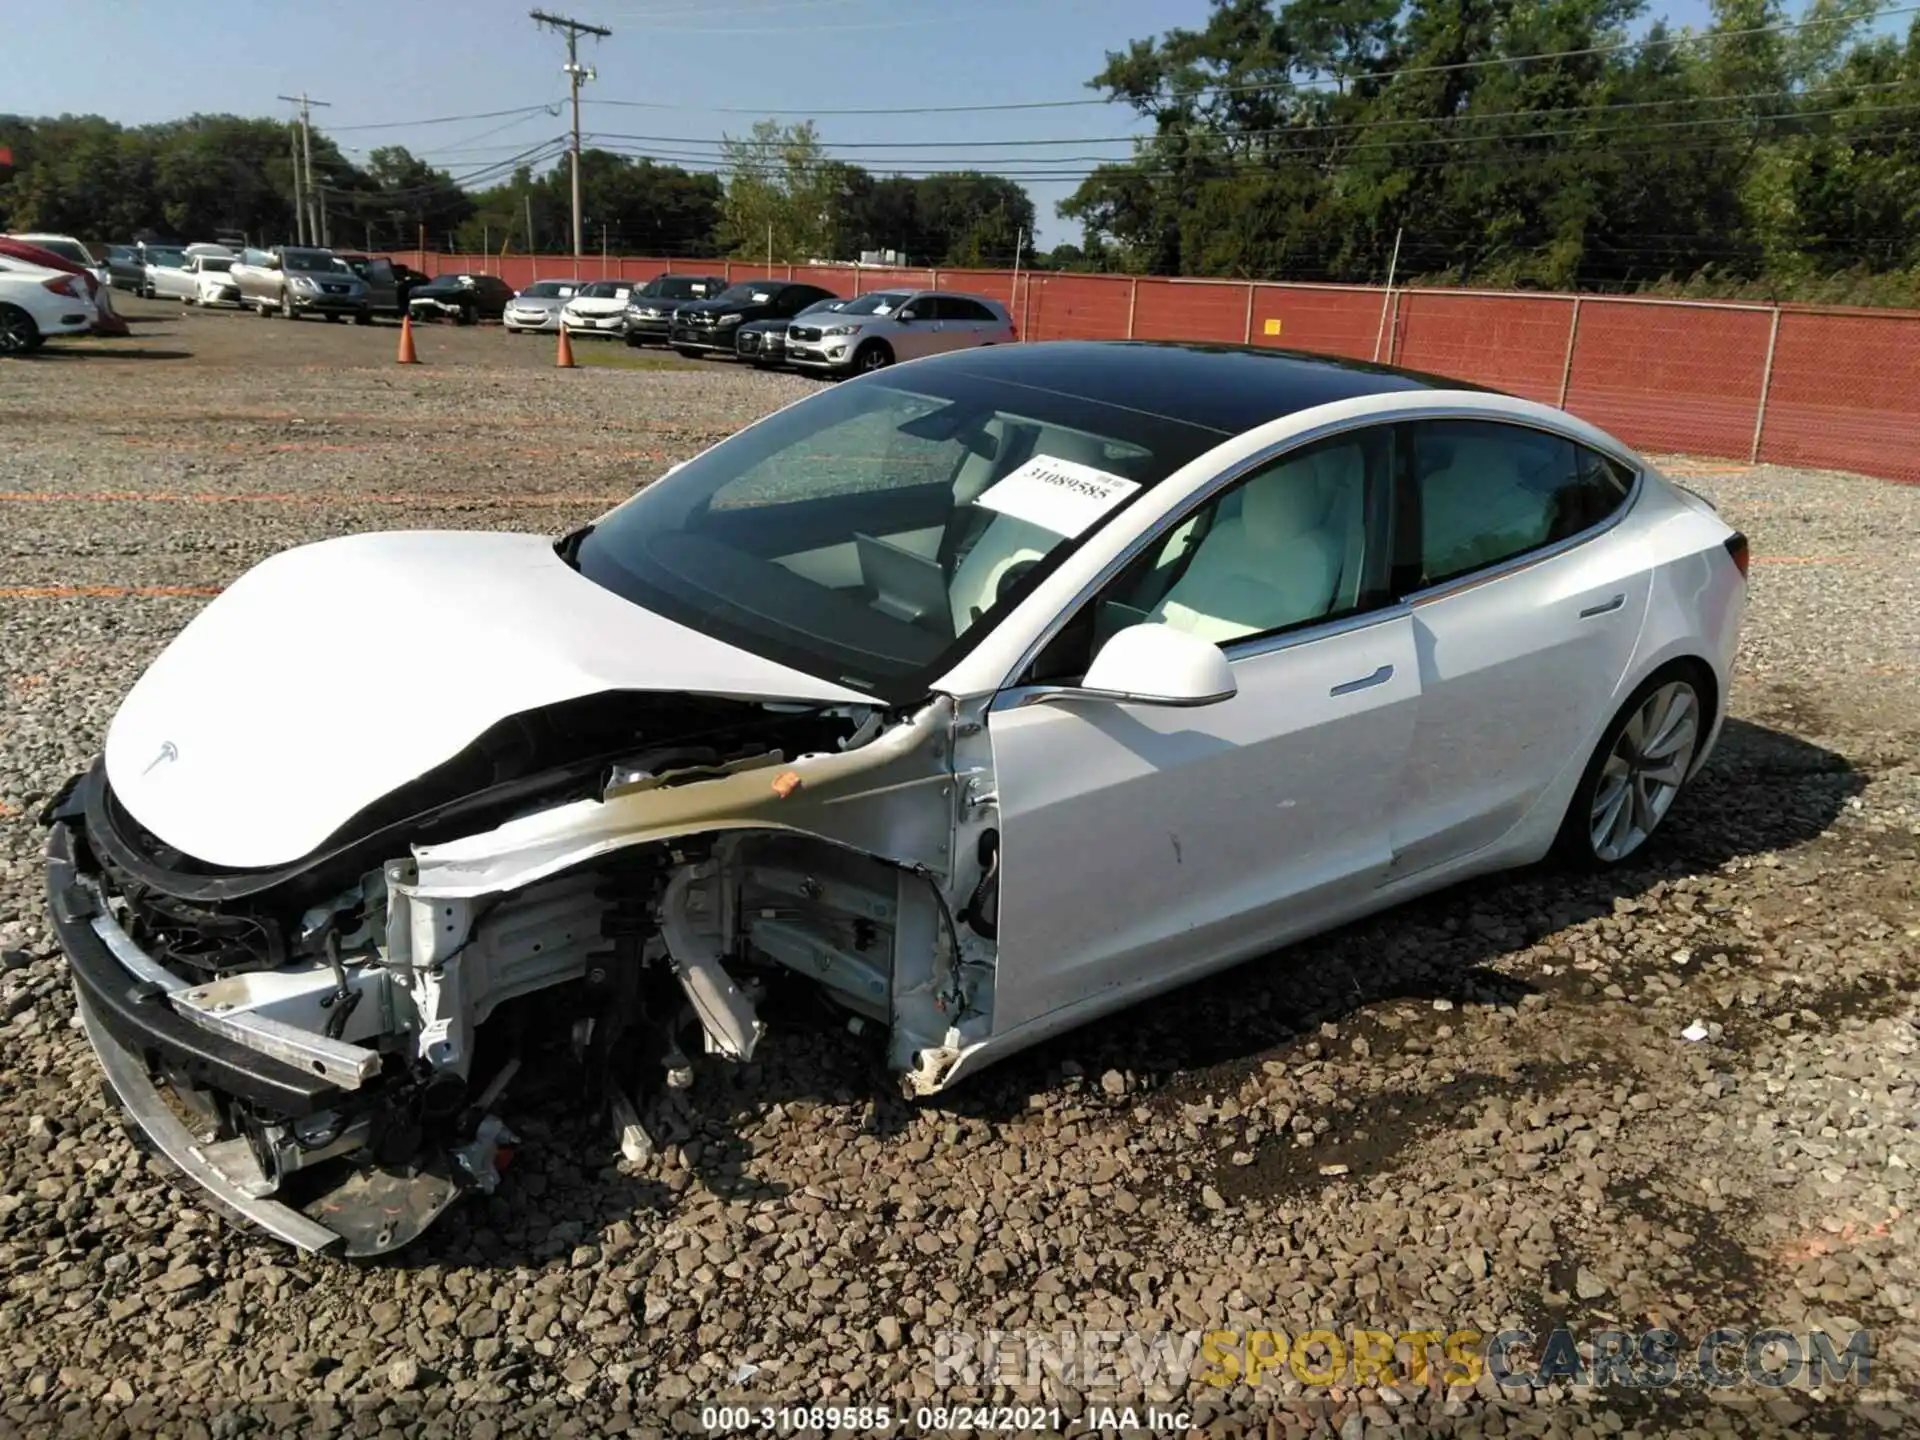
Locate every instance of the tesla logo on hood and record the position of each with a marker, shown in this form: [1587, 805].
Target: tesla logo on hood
[168, 751]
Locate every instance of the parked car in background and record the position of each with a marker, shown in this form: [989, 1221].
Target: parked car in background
[650, 307]
[598, 308]
[463, 298]
[706, 327]
[126, 268]
[105, 320]
[213, 282]
[875, 330]
[538, 306]
[67, 247]
[764, 342]
[170, 275]
[390, 284]
[37, 302]
[297, 280]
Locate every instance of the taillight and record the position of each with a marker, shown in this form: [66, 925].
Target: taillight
[1737, 548]
[63, 285]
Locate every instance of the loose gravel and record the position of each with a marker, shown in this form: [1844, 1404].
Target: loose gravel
[1477, 1112]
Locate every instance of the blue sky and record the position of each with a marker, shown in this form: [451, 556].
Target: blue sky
[409, 60]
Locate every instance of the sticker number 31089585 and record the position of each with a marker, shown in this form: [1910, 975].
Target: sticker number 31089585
[1063, 496]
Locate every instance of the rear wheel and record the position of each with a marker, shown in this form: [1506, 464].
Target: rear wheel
[1637, 771]
[18, 334]
[874, 355]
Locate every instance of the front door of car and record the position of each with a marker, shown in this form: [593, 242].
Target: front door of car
[1143, 842]
[917, 329]
[1524, 631]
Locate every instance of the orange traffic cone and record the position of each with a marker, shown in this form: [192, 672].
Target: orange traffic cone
[406, 355]
[563, 358]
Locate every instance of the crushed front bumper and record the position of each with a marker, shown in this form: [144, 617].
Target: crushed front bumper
[151, 1039]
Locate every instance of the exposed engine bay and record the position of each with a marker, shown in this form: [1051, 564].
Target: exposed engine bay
[618, 879]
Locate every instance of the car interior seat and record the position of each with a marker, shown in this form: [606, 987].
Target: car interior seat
[1273, 564]
[1477, 507]
[1007, 546]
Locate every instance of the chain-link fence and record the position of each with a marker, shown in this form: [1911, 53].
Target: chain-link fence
[1802, 385]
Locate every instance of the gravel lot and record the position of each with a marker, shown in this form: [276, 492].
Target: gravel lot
[1477, 1112]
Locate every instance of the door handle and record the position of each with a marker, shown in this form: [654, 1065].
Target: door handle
[1605, 607]
[1365, 682]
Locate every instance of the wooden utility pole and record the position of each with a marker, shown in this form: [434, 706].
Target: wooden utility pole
[576, 73]
[316, 212]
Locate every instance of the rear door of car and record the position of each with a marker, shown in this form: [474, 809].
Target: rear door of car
[1526, 618]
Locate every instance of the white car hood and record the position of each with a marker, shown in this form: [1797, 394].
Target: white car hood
[596, 306]
[331, 674]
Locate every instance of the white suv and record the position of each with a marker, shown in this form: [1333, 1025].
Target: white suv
[36, 302]
[889, 325]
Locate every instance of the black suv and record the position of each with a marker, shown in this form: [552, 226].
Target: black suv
[650, 307]
[705, 326]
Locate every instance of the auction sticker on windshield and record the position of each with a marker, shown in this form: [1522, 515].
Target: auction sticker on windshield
[1063, 496]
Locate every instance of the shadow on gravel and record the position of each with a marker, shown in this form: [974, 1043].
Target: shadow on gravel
[1765, 790]
[76, 355]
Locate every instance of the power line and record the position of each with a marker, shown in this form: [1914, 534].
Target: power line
[1389, 77]
[441, 119]
[1205, 153]
[1305, 129]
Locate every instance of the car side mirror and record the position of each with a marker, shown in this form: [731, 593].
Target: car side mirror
[1151, 665]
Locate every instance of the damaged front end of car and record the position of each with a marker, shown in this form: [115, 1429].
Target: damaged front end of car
[323, 1047]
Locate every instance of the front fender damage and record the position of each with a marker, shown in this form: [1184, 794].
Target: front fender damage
[625, 925]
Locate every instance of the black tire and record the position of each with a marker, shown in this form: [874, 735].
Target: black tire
[465, 317]
[365, 317]
[19, 335]
[1575, 846]
[874, 355]
[287, 312]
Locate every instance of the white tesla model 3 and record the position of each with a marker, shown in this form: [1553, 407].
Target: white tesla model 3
[988, 694]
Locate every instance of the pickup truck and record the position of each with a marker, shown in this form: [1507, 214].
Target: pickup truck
[299, 280]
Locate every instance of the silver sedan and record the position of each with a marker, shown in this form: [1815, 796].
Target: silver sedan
[538, 306]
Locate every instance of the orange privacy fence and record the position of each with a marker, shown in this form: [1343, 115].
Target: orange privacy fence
[1801, 385]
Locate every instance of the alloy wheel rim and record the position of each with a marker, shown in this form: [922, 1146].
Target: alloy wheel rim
[13, 334]
[1644, 770]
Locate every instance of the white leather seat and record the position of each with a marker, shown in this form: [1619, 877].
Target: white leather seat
[1274, 564]
[1477, 509]
[1008, 542]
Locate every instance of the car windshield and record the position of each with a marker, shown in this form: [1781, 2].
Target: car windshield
[604, 290]
[677, 287]
[307, 260]
[547, 290]
[881, 302]
[215, 262]
[750, 293]
[872, 534]
[821, 306]
[171, 259]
